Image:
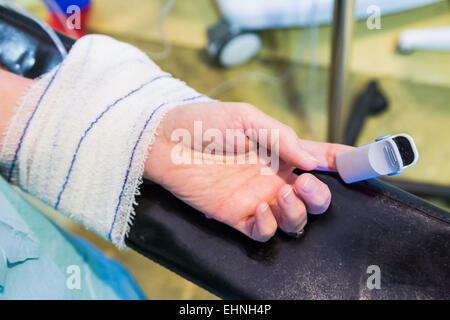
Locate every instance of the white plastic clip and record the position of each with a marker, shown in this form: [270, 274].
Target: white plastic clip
[388, 155]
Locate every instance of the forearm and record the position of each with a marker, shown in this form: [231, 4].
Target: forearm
[80, 135]
[12, 87]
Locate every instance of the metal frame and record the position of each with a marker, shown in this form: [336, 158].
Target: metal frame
[342, 26]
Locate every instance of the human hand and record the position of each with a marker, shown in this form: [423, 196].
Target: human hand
[241, 195]
[11, 89]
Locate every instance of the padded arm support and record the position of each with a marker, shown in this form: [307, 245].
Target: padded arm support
[25, 48]
[368, 223]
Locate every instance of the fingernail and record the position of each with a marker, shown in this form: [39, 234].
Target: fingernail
[309, 185]
[288, 196]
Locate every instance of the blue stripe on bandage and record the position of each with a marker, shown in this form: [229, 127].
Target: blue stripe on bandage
[92, 125]
[132, 158]
[19, 146]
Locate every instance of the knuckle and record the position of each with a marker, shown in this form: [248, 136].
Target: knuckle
[292, 222]
[322, 204]
[304, 176]
[264, 236]
[244, 106]
[296, 217]
[300, 181]
[290, 132]
[325, 193]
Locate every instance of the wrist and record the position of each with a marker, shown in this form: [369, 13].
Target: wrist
[12, 88]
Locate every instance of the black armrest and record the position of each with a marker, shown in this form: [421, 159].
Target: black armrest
[369, 223]
[25, 48]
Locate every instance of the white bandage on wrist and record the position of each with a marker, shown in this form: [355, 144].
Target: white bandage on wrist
[79, 138]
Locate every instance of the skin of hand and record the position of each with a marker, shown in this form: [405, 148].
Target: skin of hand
[238, 194]
[235, 194]
[12, 87]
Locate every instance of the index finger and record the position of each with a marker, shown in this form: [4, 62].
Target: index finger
[325, 152]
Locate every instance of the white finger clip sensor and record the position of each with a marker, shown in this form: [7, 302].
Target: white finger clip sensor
[388, 155]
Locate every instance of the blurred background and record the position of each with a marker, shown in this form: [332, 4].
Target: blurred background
[276, 56]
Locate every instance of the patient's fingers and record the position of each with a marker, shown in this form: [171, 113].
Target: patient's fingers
[292, 211]
[289, 213]
[290, 150]
[265, 225]
[324, 152]
[315, 194]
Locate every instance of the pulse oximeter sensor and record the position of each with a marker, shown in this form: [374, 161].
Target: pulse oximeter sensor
[388, 155]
